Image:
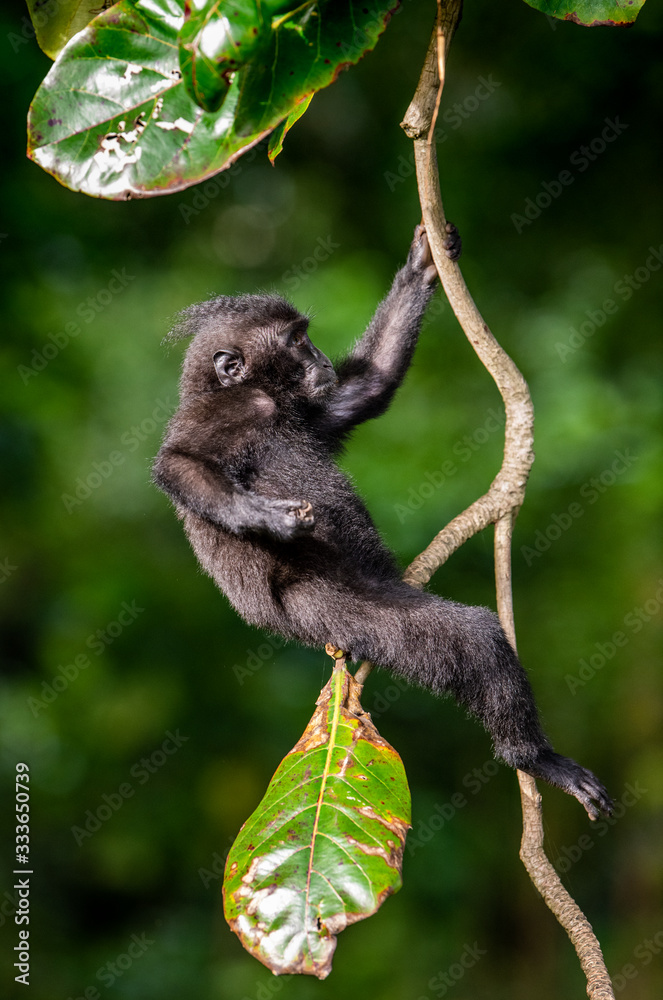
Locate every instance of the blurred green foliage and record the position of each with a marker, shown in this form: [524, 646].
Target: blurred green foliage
[107, 580]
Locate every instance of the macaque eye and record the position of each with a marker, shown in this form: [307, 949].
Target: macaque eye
[298, 338]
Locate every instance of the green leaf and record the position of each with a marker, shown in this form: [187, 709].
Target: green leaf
[324, 848]
[279, 133]
[591, 13]
[214, 42]
[113, 118]
[56, 21]
[303, 55]
[218, 38]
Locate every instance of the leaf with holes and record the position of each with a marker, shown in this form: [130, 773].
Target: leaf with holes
[113, 117]
[591, 13]
[324, 848]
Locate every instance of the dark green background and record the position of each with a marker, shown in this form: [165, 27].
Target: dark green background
[67, 574]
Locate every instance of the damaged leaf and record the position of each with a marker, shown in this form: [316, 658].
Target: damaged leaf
[113, 118]
[324, 848]
[591, 13]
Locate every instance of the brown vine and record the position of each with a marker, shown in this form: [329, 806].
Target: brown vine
[500, 505]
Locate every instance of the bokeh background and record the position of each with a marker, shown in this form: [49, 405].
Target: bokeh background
[112, 637]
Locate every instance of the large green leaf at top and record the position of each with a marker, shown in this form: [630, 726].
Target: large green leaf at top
[113, 118]
[591, 13]
[324, 847]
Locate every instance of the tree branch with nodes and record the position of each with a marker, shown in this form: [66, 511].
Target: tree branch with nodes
[501, 503]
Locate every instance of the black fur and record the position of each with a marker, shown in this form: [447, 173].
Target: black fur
[248, 461]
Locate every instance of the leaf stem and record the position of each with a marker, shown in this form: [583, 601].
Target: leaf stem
[278, 21]
[339, 675]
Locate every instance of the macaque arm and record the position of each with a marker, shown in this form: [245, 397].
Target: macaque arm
[200, 485]
[369, 376]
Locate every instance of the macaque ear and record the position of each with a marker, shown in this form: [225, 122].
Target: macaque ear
[230, 367]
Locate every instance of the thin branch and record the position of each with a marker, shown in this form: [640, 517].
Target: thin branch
[501, 503]
[507, 490]
[532, 851]
[562, 904]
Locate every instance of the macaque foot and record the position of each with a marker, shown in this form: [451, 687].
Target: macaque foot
[564, 773]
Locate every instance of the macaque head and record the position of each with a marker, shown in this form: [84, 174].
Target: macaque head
[257, 340]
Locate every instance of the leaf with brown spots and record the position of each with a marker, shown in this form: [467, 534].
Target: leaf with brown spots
[325, 846]
[115, 116]
[591, 13]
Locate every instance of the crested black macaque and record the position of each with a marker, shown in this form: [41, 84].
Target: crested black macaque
[248, 460]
